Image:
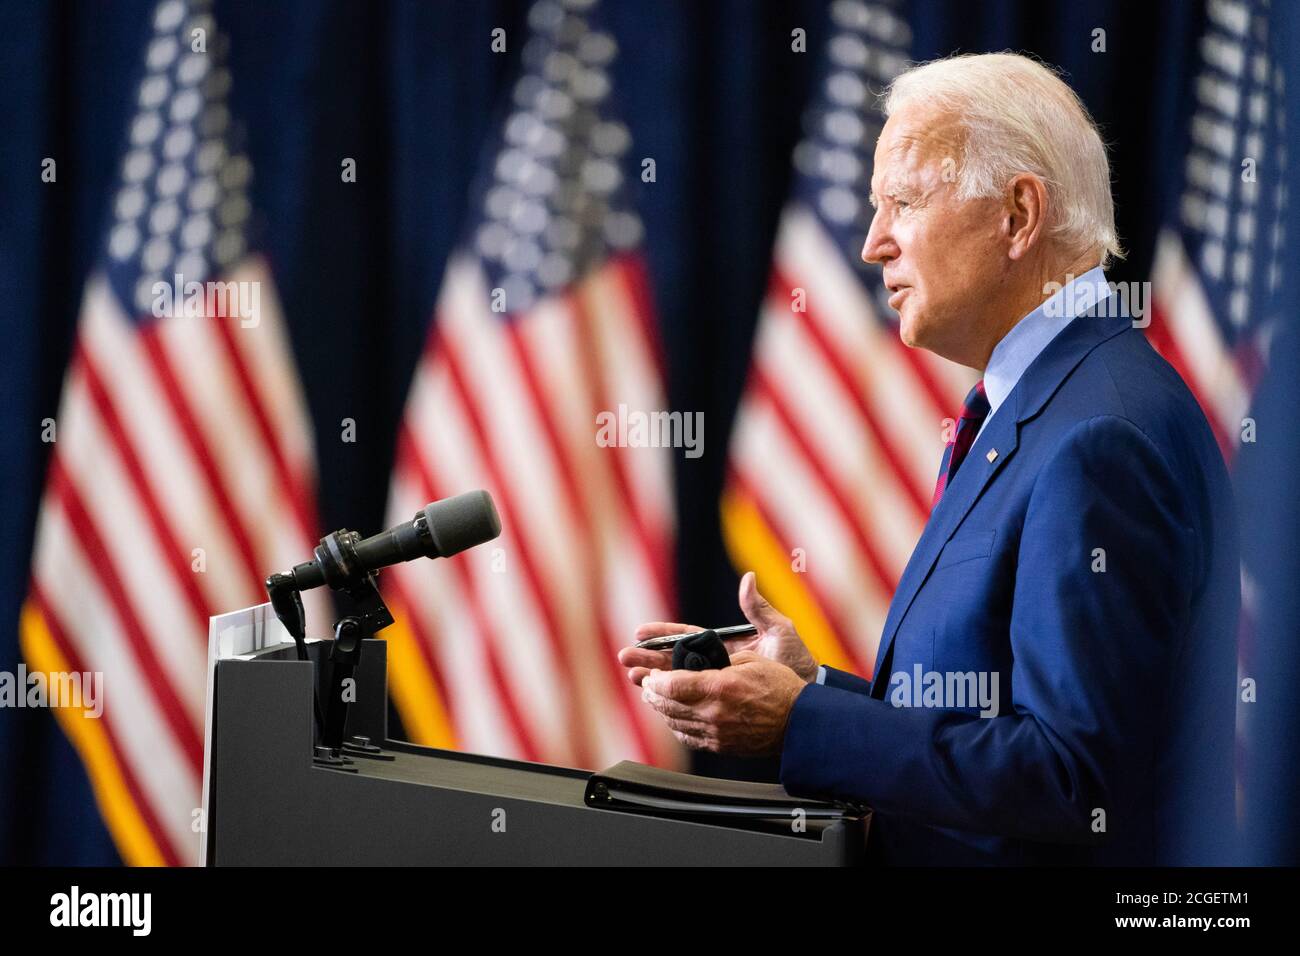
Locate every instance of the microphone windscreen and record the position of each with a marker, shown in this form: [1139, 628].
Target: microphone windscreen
[702, 651]
[462, 522]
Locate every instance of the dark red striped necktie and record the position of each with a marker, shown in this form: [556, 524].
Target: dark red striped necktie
[973, 412]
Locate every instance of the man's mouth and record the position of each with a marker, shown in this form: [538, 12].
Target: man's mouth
[896, 295]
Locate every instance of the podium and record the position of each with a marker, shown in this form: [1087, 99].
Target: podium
[267, 803]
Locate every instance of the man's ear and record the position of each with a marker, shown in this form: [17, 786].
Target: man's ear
[1025, 211]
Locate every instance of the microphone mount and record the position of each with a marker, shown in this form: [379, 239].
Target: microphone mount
[347, 564]
[336, 556]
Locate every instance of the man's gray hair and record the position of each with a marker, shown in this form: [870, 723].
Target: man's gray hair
[1019, 116]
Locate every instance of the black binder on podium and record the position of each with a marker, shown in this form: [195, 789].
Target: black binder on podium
[396, 803]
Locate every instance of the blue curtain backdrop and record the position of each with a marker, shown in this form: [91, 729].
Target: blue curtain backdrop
[408, 89]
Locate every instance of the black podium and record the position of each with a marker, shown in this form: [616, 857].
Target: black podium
[266, 803]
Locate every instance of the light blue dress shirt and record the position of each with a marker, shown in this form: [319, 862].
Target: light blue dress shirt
[1027, 339]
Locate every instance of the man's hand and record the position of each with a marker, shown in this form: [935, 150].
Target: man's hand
[776, 639]
[741, 710]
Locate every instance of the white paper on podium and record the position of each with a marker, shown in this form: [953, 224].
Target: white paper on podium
[235, 635]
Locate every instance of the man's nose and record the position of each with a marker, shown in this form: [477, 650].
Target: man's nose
[879, 247]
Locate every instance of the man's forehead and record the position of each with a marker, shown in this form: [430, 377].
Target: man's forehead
[911, 140]
[919, 134]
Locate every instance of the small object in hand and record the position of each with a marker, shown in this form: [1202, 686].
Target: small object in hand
[664, 641]
[701, 651]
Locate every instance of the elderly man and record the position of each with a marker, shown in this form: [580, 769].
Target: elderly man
[1080, 560]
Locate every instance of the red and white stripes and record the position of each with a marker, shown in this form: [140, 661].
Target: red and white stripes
[522, 633]
[182, 475]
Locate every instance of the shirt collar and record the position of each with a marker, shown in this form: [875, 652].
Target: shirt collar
[1028, 337]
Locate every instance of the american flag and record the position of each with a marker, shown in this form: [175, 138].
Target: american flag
[182, 468]
[543, 323]
[1218, 264]
[855, 418]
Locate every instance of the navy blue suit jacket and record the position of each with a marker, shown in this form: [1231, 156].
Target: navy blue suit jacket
[1117, 688]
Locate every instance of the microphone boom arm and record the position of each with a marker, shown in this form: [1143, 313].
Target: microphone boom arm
[347, 563]
[336, 557]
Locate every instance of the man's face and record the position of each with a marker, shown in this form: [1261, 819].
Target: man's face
[941, 255]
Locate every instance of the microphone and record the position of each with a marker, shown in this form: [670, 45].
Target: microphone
[439, 530]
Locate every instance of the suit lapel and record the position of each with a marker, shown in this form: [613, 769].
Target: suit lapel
[1002, 435]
